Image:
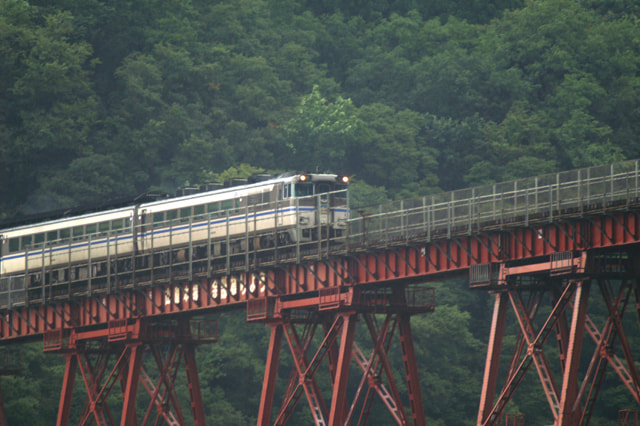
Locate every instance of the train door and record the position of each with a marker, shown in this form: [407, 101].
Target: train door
[283, 202]
[3, 250]
[323, 208]
[144, 235]
[139, 231]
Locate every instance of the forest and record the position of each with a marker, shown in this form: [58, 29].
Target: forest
[105, 99]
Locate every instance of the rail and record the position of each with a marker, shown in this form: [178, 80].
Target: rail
[516, 203]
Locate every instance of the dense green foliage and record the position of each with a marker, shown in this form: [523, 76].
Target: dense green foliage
[101, 100]
[105, 99]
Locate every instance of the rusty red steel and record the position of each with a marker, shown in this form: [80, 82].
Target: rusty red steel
[387, 264]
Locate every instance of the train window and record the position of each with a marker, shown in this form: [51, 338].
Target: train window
[116, 225]
[52, 237]
[158, 219]
[91, 229]
[185, 214]
[171, 215]
[78, 233]
[286, 191]
[38, 239]
[64, 235]
[103, 228]
[226, 205]
[198, 210]
[25, 242]
[127, 224]
[321, 188]
[14, 245]
[303, 189]
[213, 208]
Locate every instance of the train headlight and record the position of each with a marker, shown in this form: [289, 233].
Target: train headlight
[303, 178]
[343, 179]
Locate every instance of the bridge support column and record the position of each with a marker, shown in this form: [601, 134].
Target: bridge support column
[411, 371]
[567, 279]
[493, 356]
[131, 383]
[337, 312]
[270, 375]
[339, 396]
[106, 357]
[569, 403]
[64, 408]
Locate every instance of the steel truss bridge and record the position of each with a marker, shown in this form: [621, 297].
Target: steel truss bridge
[543, 247]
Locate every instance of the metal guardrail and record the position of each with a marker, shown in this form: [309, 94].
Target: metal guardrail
[517, 203]
[507, 204]
[206, 245]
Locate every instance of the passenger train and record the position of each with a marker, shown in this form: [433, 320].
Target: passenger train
[272, 211]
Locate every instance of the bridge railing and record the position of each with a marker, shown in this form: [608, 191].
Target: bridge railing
[187, 250]
[515, 203]
[172, 249]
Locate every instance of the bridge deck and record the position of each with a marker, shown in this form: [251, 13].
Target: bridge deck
[415, 239]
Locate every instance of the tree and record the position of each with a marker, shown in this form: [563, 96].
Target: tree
[321, 135]
[450, 370]
[576, 65]
[49, 108]
[393, 152]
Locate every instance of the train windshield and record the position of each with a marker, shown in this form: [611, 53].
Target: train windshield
[323, 187]
[303, 189]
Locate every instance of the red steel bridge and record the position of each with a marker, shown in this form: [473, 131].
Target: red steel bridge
[543, 247]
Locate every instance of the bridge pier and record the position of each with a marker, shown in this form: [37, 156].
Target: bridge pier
[572, 280]
[115, 355]
[337, 311]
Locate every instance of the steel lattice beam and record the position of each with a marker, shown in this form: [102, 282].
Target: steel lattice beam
[128, 342]
[337, 315]
[568, 280]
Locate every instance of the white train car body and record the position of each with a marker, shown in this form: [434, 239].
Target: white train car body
[66, 241]
[290, 206]
[279, 211]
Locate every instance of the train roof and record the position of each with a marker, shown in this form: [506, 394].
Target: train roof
[58, 214]
[151, 198]
[285, 177]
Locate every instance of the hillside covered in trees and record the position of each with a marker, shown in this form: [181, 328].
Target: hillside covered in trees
[108, 99]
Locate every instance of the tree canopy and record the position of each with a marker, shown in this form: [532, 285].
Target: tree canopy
[408, 97]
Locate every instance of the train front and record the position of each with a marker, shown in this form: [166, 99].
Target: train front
[323, 205]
